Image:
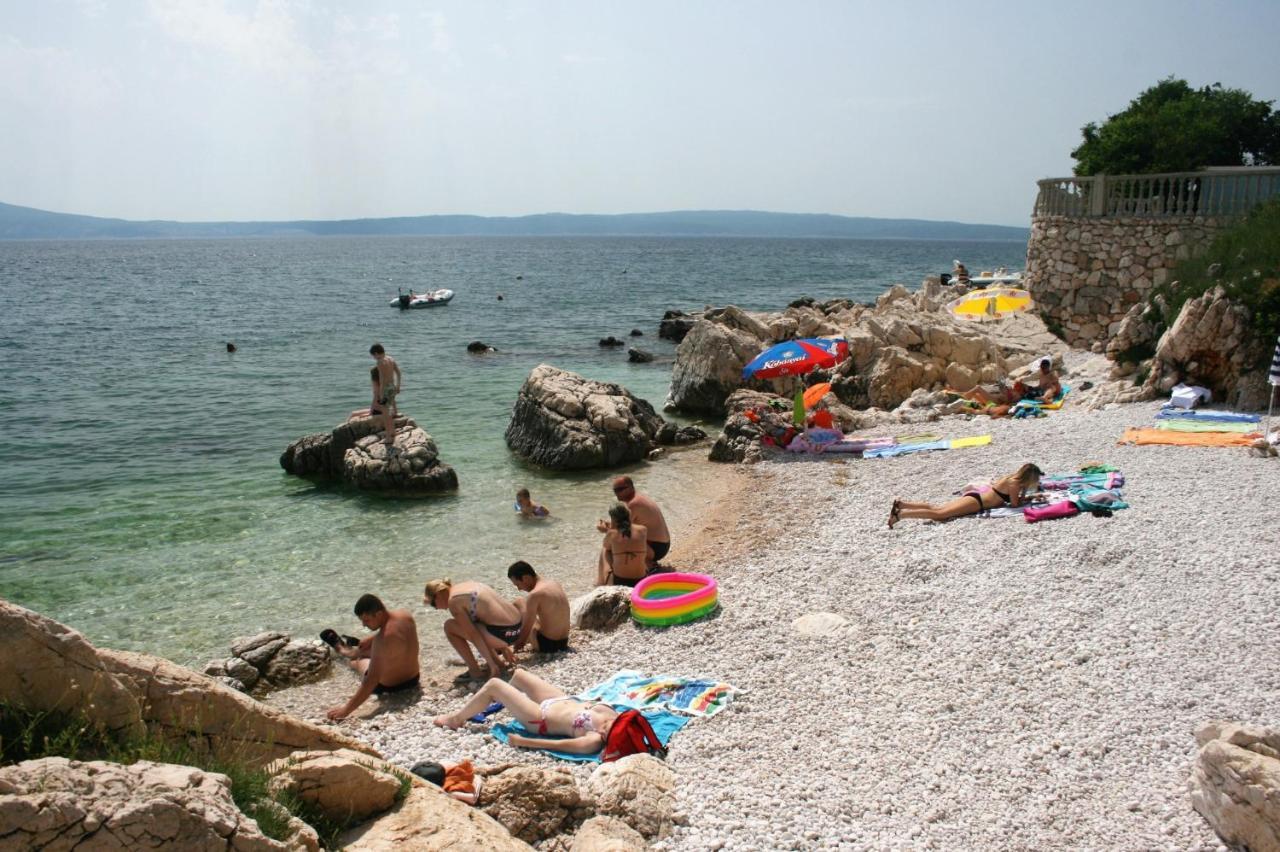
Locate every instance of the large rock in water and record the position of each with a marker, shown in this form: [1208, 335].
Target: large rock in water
[1236, 783]
[1211, 344]
[354, 453]
[60, 804]
[566, 422]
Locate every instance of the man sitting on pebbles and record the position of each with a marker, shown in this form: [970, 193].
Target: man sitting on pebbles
[480, 618]
[544, 613]
[387, 660]
[645, 513]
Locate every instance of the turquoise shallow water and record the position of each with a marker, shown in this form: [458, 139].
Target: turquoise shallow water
[141, 500]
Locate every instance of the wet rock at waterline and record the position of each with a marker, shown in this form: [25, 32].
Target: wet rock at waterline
[354, 453]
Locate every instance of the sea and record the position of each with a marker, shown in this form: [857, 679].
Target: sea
[141, 497]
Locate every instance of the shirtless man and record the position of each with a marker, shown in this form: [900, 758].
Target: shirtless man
[645, 513]
[387, 660]
[544, 613]
[389, 382]
[481, 619]
[1049, 388]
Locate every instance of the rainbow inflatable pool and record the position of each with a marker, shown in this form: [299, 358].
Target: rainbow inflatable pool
[662, 599]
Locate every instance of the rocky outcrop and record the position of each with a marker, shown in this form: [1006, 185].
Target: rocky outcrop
[432, 820]
[639, 790]
[607, 834]
[611, 342]
[531, 802]
[566, 422]
[675, 325]
[343, 786]
[128, 693]
[1236, 784]
[1211, 344]
[55, 803]
[639, 356]
[479, 347]
[353, 453]
[601, 609]
[270, 661]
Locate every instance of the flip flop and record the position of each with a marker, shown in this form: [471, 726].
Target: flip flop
[329, 636]
[484, 714]
[893, 513]
[350, 641]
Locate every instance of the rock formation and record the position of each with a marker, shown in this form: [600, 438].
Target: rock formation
[270, 661]
[639, 356]
[129, 692]
[1236, 783]
[531, 802]
[479, 347]
[601, 609]
[353, 453]
[55, 803]
[565, 422]
[607, 834]
[675, 325]
[639, 790]
[611, 341]
[430, 819]
[343, 786]
[1211, 344]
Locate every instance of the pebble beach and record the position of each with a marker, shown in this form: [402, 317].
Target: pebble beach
[995, 684]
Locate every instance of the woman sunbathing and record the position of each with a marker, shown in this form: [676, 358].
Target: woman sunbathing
[1009, 490]
[544, 708]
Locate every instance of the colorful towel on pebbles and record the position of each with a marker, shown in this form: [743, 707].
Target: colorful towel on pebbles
[1207, 415]
[1038, 407]
[1186, 424]
[1186, 439]
[1093, 489]
[668, 702]
[907, 449]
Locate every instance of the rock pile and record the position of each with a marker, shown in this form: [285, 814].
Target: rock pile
[270, 661]
[1236, 783]
[566, 422]
[354, 453]
[675, 325]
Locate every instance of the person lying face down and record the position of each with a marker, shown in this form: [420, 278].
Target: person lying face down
[479, 619]
[1011, 490]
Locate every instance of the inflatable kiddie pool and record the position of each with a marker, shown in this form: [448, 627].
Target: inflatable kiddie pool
[662, 599]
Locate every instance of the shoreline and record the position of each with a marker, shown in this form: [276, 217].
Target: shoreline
[996, 684]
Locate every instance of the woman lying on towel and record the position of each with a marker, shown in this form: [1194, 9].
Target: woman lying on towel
[1009, 490]
[544, 708]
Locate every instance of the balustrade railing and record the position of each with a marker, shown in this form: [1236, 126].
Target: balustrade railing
[1230, 191]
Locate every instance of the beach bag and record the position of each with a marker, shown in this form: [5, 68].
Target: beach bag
[632, 734]
[1061, 509]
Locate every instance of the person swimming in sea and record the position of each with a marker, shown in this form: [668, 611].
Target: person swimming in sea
[527, 508]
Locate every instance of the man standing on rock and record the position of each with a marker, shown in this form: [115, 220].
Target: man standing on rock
[544, 613]
[387, 661]
[389, 382]
[646, 513]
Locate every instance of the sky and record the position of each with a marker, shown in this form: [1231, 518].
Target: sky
[207, 110]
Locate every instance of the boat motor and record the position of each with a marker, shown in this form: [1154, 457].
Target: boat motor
[405, 298]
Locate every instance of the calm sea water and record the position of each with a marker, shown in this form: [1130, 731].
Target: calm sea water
[141, 500]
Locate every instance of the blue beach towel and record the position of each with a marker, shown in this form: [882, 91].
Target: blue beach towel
[664, 722]
[904, 449]
[1207, 415]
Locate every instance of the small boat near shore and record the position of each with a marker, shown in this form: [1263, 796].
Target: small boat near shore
[431, 299]
[1000, 276]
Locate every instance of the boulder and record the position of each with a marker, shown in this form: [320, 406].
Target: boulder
[344, 786]
[1212, 344]
[638, 789]
[675, 325]
[709, 361]
[601, 609]
[607, 834]
[566, 422]
[1235, 785]
[671, 434]
[635, 332]
[739, 441]
[52, 668]
[60, 804]
[431, 820]
[258, 650]
[639, 356]
[479, 347]
[611, 341]
[299, 661]
[531, 802]
[353, 454]
[1135, 337]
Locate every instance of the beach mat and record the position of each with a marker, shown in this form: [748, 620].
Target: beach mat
[1142, 437]
[664, 723]
[944, 444]
[1207, 415]
[1183, 424]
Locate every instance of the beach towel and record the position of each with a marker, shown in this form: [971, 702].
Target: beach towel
[1211, 416]
[1186, 439]
[664, 724]
[1183, 424]
[1051, 511]
[1090, 499]
[1033, 407]
[1001, 512]
[906, 449]
[1064, 481]
[975, 441]
[692, 696]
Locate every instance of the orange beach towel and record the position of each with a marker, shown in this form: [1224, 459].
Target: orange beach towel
[1187, 439]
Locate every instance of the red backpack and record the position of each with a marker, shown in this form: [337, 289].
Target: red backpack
[632, 734]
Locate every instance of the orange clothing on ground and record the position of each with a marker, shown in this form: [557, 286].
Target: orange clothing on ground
[823, 419]
[460, 778]
[1187, 439]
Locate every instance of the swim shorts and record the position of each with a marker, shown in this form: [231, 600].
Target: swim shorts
[660, 549]
[550, 646]
[411, 683]
[507, 633]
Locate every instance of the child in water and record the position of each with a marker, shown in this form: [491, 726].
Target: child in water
[527, 508]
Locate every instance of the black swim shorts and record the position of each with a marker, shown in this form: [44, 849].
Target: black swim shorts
[507, 633]
[550, 646]
[382, 689]
[660, 549]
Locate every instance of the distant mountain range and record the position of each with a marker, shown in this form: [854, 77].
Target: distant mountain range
[26, 223]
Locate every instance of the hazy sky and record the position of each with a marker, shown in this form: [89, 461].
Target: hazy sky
[290, 109]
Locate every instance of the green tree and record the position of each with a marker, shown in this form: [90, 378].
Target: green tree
[1172, 127]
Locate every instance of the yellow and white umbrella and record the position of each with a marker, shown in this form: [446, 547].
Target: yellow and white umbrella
[990, 303]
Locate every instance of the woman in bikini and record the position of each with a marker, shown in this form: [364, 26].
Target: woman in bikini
[1011, 490]
[623, 558]
[480, 618]
[374, 409]
[544, 708]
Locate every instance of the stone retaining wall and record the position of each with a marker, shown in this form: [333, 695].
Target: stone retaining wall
[1085, 273]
